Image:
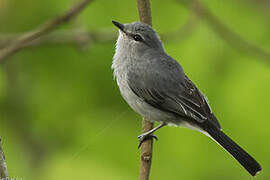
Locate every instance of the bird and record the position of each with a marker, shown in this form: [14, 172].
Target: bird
[155, 86]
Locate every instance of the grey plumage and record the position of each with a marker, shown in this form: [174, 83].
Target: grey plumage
[153, 83]
[156, 87]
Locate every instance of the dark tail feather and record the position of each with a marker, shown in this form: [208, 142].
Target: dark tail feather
[248, 162]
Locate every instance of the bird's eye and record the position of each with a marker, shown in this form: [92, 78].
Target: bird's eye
[137, 37]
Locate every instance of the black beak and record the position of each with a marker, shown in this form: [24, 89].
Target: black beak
[119, 25]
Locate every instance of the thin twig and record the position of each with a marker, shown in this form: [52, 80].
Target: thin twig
[3, 164]
[78, 37]
[147, 146]
[146, 152]
[183, 33]
[263, 6]
[224, 32]
[20, 42]
[81, 37]
[144, 10]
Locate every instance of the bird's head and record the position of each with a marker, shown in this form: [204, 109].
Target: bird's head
[137, 36]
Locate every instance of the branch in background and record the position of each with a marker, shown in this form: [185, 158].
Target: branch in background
[262, 5]
[77, 37]
[47, 27]
[81, 37]
[183, 33]
[231, 37]
[3, 164]
[147, 146]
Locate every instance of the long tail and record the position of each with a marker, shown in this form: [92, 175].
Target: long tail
[248, 162]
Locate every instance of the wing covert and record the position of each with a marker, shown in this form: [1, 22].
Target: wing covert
[171, 91]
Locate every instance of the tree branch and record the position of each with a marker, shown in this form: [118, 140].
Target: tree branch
[81, 37]
[147, 146]
[144, 10]
[3, 164]
[183, 33]
[47, 27]
[77, 37]
[146, 152]
[263, 6]
[224, 32]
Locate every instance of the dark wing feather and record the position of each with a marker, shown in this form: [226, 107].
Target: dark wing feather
[194, 99]
[166, 87]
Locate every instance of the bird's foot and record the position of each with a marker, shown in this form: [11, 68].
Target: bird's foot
[145, 136]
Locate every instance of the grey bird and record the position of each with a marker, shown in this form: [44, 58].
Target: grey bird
[156, 87]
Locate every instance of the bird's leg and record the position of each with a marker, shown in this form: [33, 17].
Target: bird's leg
[149, 134]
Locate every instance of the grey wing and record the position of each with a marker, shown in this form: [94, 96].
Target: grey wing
[170, 90]
[197, 102]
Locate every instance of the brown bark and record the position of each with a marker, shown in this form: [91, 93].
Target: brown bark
[147, 146]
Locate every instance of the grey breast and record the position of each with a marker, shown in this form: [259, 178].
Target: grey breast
[126, 70]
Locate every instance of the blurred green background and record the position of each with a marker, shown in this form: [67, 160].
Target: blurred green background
[62, 116]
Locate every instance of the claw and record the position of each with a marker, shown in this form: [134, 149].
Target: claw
[144, 137]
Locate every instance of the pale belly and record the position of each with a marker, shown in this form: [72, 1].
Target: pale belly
[147, 111]
[144, 109]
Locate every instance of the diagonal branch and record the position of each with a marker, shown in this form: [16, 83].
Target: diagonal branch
[224, 32]
[183, 33]
[78, 37]
[47, 27]
[81, 37]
